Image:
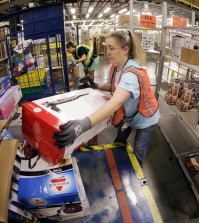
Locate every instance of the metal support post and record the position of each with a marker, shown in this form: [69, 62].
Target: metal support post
[131, 15]
[193, 18]
[77, 28]
[114, 21]
[163, 41]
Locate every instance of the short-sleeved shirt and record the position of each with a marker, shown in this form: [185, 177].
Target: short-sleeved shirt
[129, 81]
[81, 51]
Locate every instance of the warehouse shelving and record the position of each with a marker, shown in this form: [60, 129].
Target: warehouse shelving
[178, 127]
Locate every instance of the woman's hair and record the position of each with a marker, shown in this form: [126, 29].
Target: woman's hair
[69, 45]
[126, 38]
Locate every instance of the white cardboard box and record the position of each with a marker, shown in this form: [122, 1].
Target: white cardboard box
[41, 118]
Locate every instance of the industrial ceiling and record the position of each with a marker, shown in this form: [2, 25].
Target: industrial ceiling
[82, 6]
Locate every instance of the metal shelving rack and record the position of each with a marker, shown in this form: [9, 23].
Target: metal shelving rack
[42, 39]
[176, 126]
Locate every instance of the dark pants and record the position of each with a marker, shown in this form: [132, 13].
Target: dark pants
[141, 142]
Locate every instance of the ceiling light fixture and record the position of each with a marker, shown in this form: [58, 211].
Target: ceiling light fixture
[123, 10]
[107, 9]
[72, 10]
[112, 16]
[90, 9]
[100, 15]
[87, 15]
[74, 17]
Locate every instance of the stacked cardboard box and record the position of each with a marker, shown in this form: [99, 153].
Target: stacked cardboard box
[10, 160]
[3, 52]
[54, 192]
[183, 93]
[189, 99]
[101, 44]
[85, 37]
[3, 32]
[41, 118]
[175, 90]
[189, 56]
[4, 70]
[9, 102]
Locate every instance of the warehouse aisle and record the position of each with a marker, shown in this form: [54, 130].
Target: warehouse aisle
[161, 180]
[172, 192]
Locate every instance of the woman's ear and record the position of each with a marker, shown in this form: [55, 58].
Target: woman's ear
[126, 50]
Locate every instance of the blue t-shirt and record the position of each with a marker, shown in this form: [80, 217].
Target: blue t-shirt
[129, 82]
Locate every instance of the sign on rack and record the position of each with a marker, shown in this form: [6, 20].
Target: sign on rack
[148, 21]
[148, 40]
[179, 22]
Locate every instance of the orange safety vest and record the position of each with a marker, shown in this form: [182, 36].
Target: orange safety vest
[148, 104]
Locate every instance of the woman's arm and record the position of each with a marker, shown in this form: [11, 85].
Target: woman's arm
[103, 87]
[82, 59]
[120, 96]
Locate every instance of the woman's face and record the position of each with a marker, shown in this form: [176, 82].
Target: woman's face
[116, 54]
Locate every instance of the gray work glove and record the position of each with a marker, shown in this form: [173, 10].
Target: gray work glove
[70, 131]
[73, 63]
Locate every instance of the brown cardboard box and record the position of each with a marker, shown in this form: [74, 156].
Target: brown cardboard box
[3, 32]
[195, 3]
[101, 45]
[185, 55]
[8, 149]
[123, 19]
[189, 56]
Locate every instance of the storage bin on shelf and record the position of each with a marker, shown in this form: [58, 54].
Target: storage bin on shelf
[32, 79]
[32, 82]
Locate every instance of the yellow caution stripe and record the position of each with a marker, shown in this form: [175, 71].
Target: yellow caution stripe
[134, 162]
[101, 147]
[152, 205]
[145, 188]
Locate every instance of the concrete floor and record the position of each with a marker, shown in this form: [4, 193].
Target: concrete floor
[171, 191]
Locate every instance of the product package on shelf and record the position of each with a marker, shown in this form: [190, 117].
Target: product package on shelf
[9, 101]
[52, 191]
[41, 118]
[4, 84]
[175, 90]
[177, 42]
[192, 162]
[189, 100]
[24, 47]
[15, 126]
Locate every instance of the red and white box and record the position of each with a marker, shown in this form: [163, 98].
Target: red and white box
[41, 118]
[9, 101]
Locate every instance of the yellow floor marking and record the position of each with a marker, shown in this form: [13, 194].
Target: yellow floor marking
[152, 205]
[101, 147]
[134, 162]
[138, 171]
